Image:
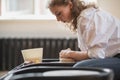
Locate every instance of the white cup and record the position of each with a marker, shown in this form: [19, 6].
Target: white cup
[34, 55]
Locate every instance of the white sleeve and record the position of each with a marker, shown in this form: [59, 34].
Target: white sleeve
[98, 30]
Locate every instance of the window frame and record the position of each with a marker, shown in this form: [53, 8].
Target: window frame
[38, 12]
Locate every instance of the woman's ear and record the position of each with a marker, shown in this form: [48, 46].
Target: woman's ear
[70, 4]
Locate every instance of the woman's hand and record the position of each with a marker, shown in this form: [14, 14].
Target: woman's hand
[76, 55]
[65, 53]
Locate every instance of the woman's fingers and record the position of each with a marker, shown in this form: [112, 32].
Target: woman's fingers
[65, 53]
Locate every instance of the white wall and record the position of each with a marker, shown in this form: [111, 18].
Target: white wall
[47, 28]
[34, 29]
[111, 6]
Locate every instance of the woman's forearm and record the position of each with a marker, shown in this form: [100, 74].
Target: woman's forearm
[76, 55]
[79, 55]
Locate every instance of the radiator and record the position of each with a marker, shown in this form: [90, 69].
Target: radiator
[10, 49]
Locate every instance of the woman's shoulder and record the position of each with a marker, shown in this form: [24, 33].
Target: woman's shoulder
[88, 11]
[95, 12]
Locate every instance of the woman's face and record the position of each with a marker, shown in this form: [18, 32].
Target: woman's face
[62, 13]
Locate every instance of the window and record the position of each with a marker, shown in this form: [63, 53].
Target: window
[25, 9]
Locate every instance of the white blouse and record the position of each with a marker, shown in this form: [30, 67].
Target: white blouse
[98, 33]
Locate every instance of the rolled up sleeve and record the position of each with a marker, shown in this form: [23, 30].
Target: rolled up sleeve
[96, 53]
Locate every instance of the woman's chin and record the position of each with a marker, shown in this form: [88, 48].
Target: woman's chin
[66, 21]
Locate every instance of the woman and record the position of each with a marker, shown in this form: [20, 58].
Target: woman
[97, 31]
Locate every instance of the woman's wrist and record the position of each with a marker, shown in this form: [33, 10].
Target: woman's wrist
[79, 55]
